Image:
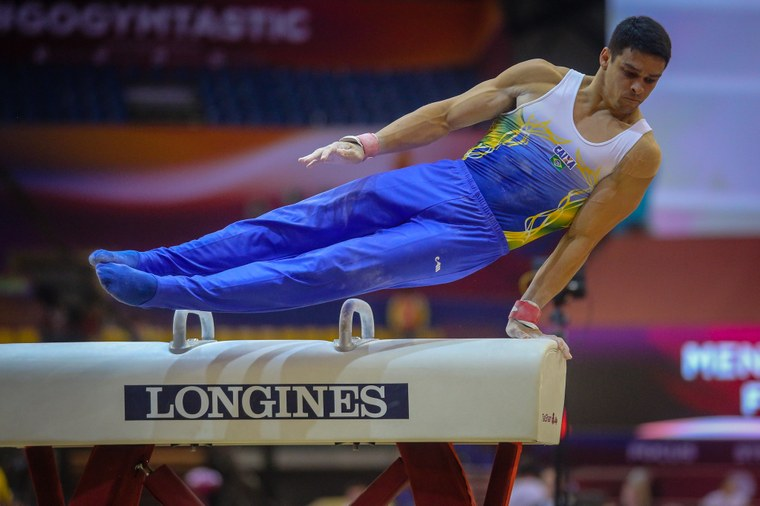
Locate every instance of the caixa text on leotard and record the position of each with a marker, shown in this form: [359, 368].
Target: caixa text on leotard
[257, 402]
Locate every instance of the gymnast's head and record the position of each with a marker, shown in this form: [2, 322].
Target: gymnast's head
[632, 63]
[642, 34]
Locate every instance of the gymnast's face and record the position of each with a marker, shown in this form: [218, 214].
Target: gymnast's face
[629, 78]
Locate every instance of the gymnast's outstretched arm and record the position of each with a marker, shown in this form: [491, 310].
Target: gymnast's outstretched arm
[434, 121]
[614, 198]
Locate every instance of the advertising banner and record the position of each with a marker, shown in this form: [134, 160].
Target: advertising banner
[700, 382]
[316, 34]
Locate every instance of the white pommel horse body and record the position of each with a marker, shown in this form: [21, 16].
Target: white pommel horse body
[422, 395]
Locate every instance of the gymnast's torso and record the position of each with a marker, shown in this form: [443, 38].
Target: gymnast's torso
[536, 170]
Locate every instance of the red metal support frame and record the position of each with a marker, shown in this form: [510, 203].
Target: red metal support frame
[169, 489]
[503, 474]
[437, 478]
[111, 477]
[436, 475]
[385, 487]
[44, 472]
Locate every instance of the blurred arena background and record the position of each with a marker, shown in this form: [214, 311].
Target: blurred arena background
[136, 124]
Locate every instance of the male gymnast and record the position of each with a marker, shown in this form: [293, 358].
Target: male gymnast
[565, 150]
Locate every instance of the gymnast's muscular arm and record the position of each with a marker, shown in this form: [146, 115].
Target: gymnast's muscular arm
[433, 121]
[614, 198]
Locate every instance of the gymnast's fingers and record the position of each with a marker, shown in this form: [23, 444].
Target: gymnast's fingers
[563, 347]
[327, 151]
[335, 152]
[311, 158]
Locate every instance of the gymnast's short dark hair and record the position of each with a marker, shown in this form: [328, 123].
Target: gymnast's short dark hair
[643, 34]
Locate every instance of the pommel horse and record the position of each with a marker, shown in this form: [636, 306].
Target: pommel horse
[423, 395]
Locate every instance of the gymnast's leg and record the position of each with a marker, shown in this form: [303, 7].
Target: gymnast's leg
[440, 244]
[354, 209]
[421, 252]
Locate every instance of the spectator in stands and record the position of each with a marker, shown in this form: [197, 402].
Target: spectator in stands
[564, 150]
[205, 483]
[637, 488]
[737, 489]
[530, 487]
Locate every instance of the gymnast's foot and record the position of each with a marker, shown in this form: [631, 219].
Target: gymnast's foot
[126, 284]
[126, 257]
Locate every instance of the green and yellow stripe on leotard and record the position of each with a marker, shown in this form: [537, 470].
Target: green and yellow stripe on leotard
[560, 217]
[512, 131]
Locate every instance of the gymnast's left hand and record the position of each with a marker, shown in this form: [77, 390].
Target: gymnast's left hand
[519, 330]
[338, 151]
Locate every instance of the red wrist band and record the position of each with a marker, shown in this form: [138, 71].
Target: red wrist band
[526, 311]
[370, 143]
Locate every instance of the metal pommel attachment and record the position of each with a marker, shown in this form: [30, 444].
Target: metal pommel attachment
[180, 343]
[346, 341]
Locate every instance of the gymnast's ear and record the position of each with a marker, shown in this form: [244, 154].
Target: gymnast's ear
[605, 57]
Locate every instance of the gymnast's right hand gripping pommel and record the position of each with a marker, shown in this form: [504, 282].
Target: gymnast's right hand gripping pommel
[523, 324]
[523, 319]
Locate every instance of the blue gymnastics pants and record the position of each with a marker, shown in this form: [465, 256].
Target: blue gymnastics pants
[423, 225]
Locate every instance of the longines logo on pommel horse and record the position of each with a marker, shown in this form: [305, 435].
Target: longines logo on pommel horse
[423, 395]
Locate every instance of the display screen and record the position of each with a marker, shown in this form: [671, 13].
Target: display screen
[666, 382]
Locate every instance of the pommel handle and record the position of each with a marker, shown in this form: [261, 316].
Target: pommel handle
[180, 343]
[346, 341]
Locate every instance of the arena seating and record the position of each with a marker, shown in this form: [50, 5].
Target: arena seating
[224, 96]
